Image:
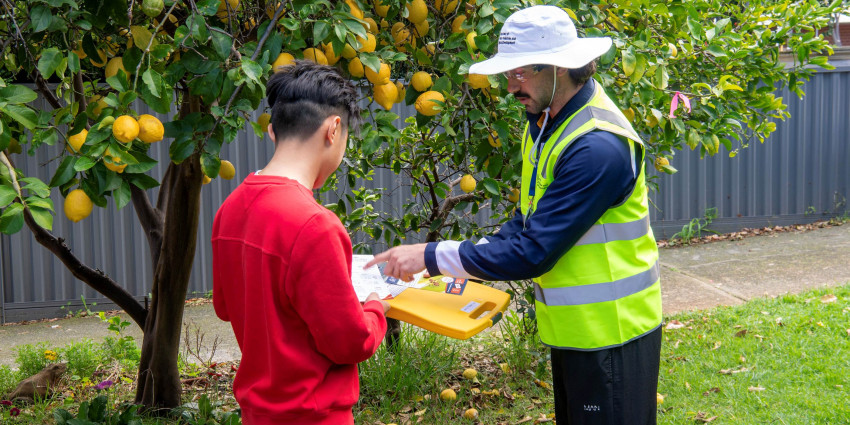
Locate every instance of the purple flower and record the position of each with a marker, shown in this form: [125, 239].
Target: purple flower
[15, 411]
[5, 403]
[103, 385]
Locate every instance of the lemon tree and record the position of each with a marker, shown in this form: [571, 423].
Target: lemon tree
[207, 61]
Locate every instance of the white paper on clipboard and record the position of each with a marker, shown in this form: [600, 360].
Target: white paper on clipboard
[372, 280]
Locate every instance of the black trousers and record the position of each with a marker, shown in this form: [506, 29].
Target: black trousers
[614, 386]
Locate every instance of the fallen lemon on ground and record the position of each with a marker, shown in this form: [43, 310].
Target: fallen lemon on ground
[227, 170]
[659, 398]
[470, 413]
[151, 129]
[448, 394]
[467, 183]
[125, 128]
[470, 373]
[78, 205]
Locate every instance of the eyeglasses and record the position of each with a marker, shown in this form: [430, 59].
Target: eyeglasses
[522, 74]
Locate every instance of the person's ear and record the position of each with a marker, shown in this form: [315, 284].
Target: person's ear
[270, 131]
[333, 127]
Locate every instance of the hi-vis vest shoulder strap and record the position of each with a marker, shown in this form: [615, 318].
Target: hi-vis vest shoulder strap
[605, 291]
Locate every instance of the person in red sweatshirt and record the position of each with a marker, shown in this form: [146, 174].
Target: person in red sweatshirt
[282, 264]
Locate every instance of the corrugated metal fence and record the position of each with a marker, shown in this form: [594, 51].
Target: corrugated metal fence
[799, 175]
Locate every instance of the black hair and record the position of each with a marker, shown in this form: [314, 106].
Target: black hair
[583, 74]
[302, 96]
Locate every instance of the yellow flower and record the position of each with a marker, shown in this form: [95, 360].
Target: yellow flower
[50, 355]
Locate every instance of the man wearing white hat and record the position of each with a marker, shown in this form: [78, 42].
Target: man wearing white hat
[582, 233]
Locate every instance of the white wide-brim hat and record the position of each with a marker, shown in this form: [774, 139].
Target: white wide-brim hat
[543, 35]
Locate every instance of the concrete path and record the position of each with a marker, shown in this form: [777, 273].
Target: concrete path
[693, 278]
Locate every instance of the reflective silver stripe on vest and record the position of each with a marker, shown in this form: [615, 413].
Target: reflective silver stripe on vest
[581, 118]
[602, 233]
[597, 292]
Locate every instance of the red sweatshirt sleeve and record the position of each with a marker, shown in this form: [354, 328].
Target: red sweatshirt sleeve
[218, 291]
[319, 287]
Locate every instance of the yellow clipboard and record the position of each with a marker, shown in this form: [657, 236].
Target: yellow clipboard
[454, 307]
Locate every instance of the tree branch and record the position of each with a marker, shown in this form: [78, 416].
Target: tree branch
[96, 279]
[447, 206]
[151, 220]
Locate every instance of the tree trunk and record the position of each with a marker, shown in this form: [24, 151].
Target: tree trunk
[158, 383]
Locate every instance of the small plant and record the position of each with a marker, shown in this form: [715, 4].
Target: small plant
[205, 412]
[122, 349]
[97, 411]
[696, 227]
[810, 210]
[8, 379]
[519, 348]
[31, 359]
[8, 411]
[83, 358]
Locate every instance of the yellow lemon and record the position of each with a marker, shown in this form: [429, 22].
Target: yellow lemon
[76, 141]
[112, 163]
[660, 162]
[99, 104]
[151, 129]
[470, 40]
[447, 8]
[513, 197]
[470, 413]
[421, 81]
[100, 63]
[659, 398]
[355, 68]
[421, 28]
[467, 183]
[673, 50]
[355, 10]
[207, 179]
[348, 52]
[271, 8]
[78, 205]
[380, 9]
[283, 59]
[330, 56]
[80, 53]
[380, 77]
[448, 394]
[470, 373]
[494, 141]
[478, 81]
[504, 366]
[227, 170]
[401, 90]
[315, 55]
[417, 11]
[368, 44]
[223, 8]
[457, 22]
[264, 120]
[385, 95]
[426, 103]
[371, 25]
[125, 128]
[629, 114]
[396, 31]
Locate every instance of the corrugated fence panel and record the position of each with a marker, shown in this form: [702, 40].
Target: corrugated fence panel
[799, 175]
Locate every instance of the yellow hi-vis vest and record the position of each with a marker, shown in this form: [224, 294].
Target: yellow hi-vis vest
[605, 291]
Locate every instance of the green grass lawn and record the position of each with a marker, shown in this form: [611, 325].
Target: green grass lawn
[770, 361]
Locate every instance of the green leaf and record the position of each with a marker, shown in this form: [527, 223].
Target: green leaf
[35, 186]
[41, 18]
[320, 31]
[491, 186]
[42, 217]
[629, 62]
[153, 80]
[26, 116]
[122, 194]
[65, 171]
[144, 181]
[12, 219]
[371, 61]
[73, 62]
[210, 165]
[208, 7]
[181, 149]
[17, 94]
[221, 44]
[199, 28]
[252, 70]
[84, 163]
[716, 50]
[7, 195]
